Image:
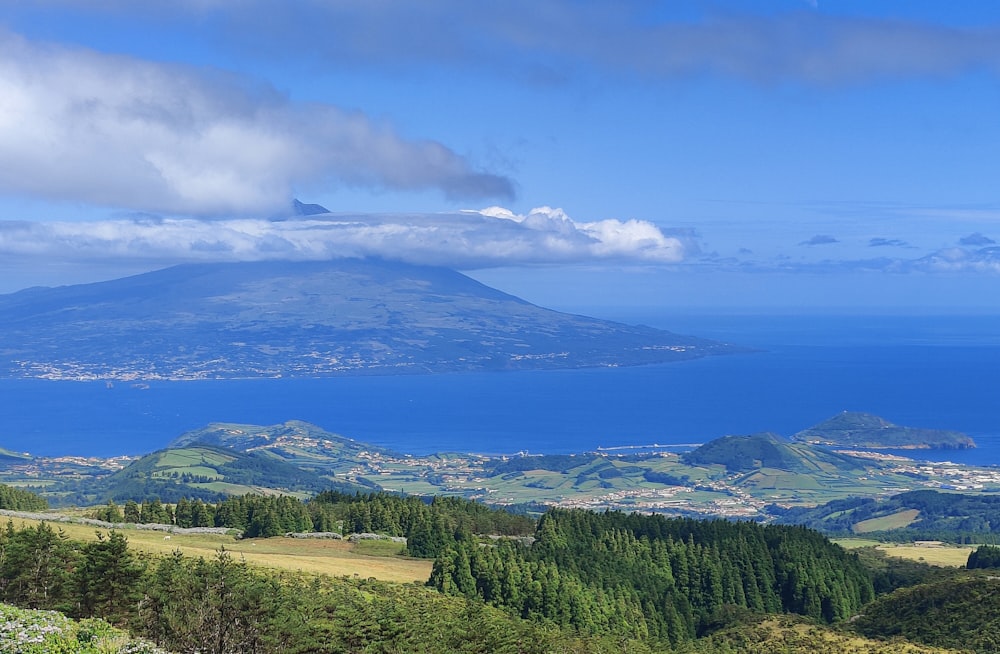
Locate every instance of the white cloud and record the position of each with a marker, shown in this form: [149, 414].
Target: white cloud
[957, 259]
[116, 131]
[472, 239]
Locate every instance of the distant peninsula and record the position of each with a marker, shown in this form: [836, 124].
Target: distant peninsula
[308, 319]
[856, 429]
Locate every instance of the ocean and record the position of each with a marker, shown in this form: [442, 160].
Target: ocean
[936, 372]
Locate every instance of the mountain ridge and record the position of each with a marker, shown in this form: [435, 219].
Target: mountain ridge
[307, 319]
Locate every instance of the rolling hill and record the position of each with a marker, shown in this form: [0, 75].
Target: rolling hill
[757, 451]
[209, 473]
[921, 514]
[856, 429]
[297, 443]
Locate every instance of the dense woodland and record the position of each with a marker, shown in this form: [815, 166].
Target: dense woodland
[570, 581]
[962, 612]
[985, 556]
[666, 579]
[15, 499]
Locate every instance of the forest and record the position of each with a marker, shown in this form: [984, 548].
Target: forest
[665, 579]
[567, 581]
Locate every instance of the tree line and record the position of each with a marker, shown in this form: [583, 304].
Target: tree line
[16, 499]
[429, 525]
[984, 556]
[221, 605]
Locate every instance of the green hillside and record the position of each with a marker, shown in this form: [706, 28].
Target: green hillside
[963, 613]
[789, 634]
[854, 429]
[295, 442]
[206, 473]
[757, 451]
[748, 477]
[924, 514]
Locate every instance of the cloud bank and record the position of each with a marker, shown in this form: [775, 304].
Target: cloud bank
[467, 240]
[951, 260]
[117, 131]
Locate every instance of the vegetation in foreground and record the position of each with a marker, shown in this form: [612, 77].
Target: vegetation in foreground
[223, 605]
[962, 612]
[583, 582]
[788, 634]
[26, 631]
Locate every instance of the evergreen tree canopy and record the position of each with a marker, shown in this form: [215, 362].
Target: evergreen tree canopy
[664, 578]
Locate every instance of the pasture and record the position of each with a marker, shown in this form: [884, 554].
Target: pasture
[330, 557]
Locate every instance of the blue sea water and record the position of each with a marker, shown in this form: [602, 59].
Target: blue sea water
[938, 372]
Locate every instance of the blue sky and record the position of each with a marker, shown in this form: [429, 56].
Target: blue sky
[781, 155]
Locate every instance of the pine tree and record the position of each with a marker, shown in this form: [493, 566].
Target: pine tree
[132, 513]
[107, 578]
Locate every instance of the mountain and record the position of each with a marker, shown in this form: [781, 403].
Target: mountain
[757, 451]
[303, 209]
[307, 319]
[301, 444]
[854, 429]
[208, 473]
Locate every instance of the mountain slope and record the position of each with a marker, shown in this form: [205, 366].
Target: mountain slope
[747, 453]
[268, 319]
[298, 443]
[208, 473]
[961, 613]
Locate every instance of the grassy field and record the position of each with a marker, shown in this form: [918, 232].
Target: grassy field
[331, 557]
[950, 556]
[897, 520]
[944, 555]
[192, 457]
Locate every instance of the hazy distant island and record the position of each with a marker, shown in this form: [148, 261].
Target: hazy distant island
[307, 319]
[855, 429]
